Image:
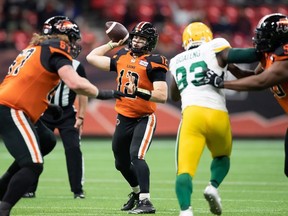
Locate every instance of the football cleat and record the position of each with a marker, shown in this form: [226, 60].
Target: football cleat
[213, 199]
[79, 195]
[29, 195]
[143, 207]
[187, 212]
[131, 203]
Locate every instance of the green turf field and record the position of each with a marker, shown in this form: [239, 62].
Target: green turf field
[255, 186]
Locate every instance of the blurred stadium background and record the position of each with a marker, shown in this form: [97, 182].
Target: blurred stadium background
[253, 114]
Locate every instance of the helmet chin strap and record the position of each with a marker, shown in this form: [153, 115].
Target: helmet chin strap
[139, 51]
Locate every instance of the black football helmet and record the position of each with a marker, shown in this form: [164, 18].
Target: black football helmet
[64, 25]
[271, 32]
[146, 30]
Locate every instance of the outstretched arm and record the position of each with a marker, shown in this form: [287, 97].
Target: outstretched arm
[274, 75]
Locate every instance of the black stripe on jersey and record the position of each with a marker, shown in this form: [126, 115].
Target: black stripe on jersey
[114, 59]
[157, 73]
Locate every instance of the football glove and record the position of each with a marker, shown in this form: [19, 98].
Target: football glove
[55, 111]
[213, 79]
[109, 94]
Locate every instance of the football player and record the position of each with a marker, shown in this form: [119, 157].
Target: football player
[142, 77]
[70, 129]
[202, 107]
[24, 93]
[271, 42]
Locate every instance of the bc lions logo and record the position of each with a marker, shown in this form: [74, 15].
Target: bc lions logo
[63, 25]
[282, 25]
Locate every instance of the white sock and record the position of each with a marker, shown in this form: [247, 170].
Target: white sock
[136, 189]
[143, 196]
[187, 211]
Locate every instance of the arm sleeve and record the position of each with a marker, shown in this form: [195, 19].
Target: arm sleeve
[245, 55]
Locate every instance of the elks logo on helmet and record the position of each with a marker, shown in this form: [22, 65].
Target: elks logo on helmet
[282, 25]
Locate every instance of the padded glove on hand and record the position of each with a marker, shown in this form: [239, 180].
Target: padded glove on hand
[55, 111]
[213, 79]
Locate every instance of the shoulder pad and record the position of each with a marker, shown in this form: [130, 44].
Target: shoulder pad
[159, 59]
[121, 52]
[219, 44]
[58, 46]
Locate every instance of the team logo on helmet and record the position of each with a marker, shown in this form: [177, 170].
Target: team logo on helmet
[271, 32]
[282, 25]
[64, 25]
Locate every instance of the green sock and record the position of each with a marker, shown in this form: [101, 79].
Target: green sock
[184, 190]
[219, 169]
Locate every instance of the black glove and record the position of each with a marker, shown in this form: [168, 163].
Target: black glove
[109, 94]
[211, 78]
[55, 111]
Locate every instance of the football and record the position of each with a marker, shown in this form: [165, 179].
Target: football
[116, 31]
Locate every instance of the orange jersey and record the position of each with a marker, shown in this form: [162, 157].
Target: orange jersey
[30, 81]
[145, 70]
[280, 91]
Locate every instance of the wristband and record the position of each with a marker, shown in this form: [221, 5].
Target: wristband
[110, 45]
[105, 94]
[143, 93]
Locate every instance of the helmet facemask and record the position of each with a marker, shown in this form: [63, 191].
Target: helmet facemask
[271, 32]
[148, 31]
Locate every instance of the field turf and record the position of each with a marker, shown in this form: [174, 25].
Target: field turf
[255, 185]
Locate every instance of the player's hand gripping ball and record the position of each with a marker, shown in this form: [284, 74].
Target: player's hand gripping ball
[116, 31]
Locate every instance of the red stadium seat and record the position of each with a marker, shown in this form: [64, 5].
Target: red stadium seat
[146, 11]
[213, 14]
[232, 13]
